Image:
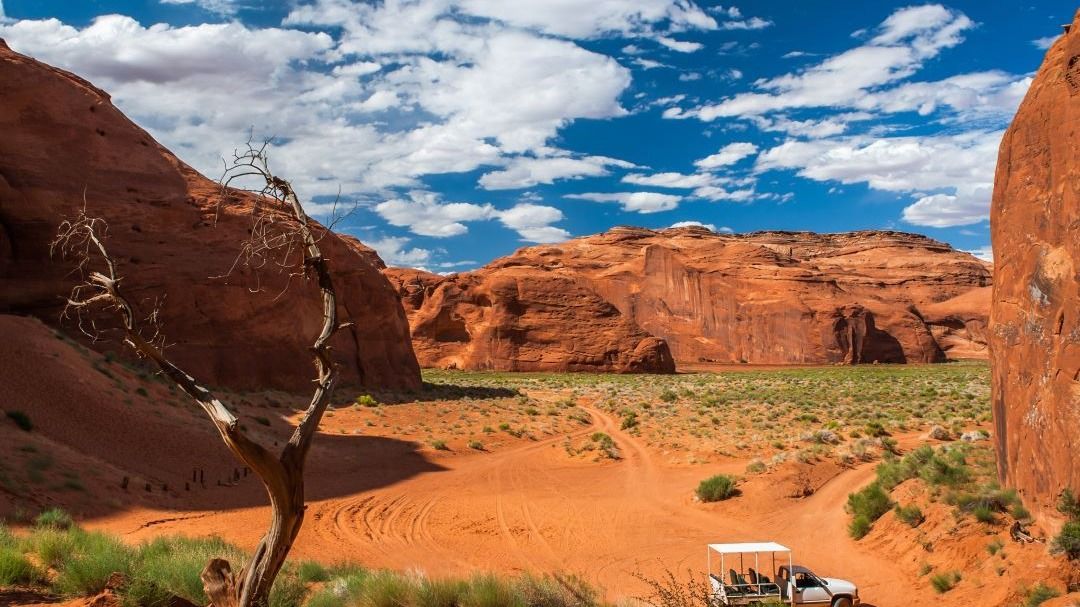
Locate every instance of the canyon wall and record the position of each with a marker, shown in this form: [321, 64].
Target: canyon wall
[763, 298]
[1035, 318]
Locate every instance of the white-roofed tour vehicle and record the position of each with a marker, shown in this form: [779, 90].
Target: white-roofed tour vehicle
[740, 578]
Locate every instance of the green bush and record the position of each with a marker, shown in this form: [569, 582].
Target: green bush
[366, 400]
[21, 420]
[1069, 505]
[54, 518]
[717, 488]
[870, 503]
[911, 515]
[1068, 541]
[1039, 594]
[16, 569]
[859, 526]
[439, 445]
[629, 420]
[944, 582]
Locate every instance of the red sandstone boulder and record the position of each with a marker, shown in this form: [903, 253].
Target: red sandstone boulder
[766, 297]
[63, 139]
[1035, 319]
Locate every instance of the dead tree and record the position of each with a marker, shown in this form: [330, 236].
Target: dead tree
[283, 235]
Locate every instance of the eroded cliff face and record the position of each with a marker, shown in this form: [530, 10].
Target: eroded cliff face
[1035, 319]
[523, 319]
[63, 140]
[766, 298]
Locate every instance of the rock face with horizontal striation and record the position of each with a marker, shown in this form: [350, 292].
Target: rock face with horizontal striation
[765, 298]
[63, 140]
[1035, 319]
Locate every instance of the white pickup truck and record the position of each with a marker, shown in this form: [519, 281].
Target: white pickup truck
[740, 580]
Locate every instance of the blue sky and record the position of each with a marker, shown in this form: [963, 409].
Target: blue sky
[465, 129]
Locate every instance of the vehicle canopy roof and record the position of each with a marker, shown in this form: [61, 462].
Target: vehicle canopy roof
[747, 547]
[798, 569]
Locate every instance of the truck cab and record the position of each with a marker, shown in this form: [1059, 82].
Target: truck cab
[744, 578]
[807, 588]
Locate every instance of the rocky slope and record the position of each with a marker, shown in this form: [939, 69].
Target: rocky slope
[1035, 335]
[766, 298]
[63, 140]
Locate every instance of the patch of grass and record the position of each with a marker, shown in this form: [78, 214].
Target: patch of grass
[17, 569]
[945, 581]
[439, 445]
[169, 566]
[1039, 594]
[21, 420]
[93, 557]
[54, 518]
[717, 488]
[477, 445]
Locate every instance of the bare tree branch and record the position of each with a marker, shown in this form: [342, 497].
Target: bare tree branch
[282, 236]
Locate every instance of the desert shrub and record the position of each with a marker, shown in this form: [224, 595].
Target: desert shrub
[1020, 513]
[16, 569]
[717, 488]
[756, 467]
[55, 518]
[868, 504]
[1068, 504]
[366, 400]
[21, 420]
[1068, 540]
[876, 430]
[669, 395]
[629, 420]
[859, 526]
[1039, 594]
[477, 445]
[945, 581]
[911, 514]
[995, 546]
[439, 445]
[984, 514]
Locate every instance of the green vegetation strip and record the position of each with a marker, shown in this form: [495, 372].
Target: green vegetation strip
[59, 556]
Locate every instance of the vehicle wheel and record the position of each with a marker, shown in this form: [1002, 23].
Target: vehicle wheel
[842, 602]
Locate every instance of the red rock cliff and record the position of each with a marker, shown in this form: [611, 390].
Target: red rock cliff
[767, 297]
[1035, 319]
[523, 319]
[63, 138]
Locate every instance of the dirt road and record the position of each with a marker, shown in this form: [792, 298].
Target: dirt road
[533, 508]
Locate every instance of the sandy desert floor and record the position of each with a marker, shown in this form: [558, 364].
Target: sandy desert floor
[588, 475]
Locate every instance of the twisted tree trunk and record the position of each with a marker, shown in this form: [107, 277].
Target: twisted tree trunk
[282, 475]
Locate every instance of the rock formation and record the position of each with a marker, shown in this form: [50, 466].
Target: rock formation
[523, 319]
[1035, 318]
[766, 298]
[63, 140]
